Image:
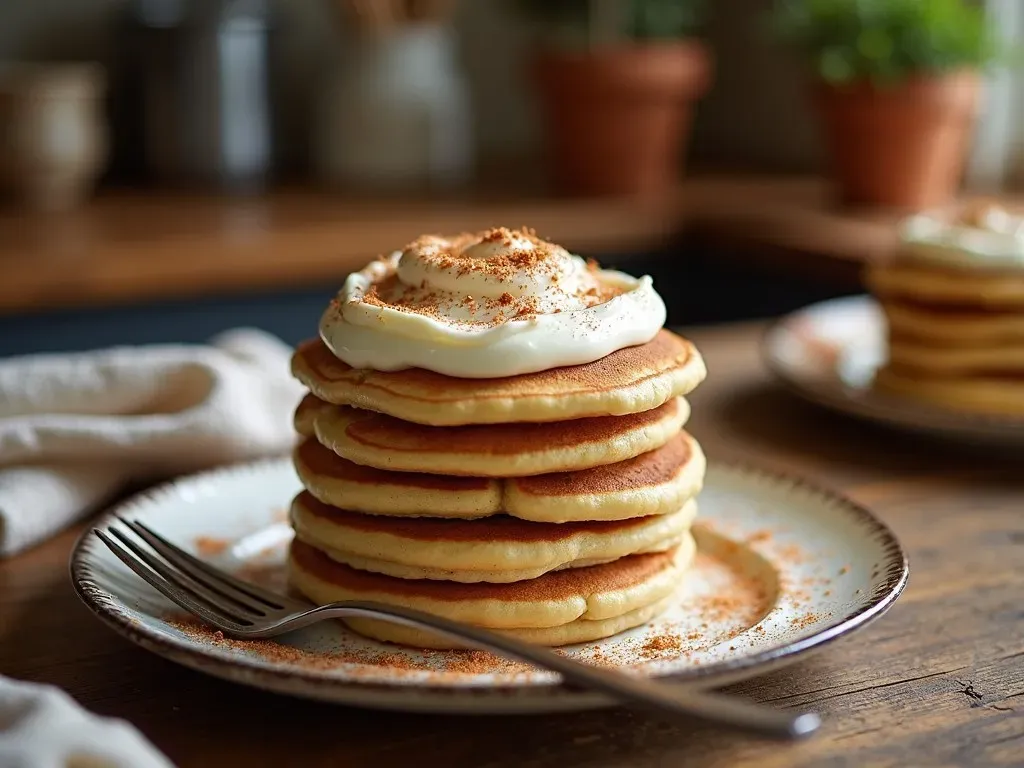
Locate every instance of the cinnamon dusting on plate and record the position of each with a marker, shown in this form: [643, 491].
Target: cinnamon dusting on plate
[208, 546]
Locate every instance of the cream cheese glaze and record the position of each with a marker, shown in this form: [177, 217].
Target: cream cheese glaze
[989, 238]
[487, 305]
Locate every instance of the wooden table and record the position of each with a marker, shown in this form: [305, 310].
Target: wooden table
[126, 247]
[134, 246]
[938, 681]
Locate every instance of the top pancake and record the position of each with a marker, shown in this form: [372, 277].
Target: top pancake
[907, 279]
[627, 381]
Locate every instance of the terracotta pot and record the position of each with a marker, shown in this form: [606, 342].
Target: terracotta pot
[617, 119]
[900, 147]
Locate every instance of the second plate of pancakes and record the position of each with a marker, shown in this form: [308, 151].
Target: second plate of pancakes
[829, 353]
[777, 568]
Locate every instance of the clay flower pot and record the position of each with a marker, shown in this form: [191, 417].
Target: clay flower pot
[617, 120]
[900, 147]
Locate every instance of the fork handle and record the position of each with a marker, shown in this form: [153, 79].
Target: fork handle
[632, 689]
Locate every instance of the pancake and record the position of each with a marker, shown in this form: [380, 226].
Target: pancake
[305, 415]
[627, 381]
[985, 395]
[571, 605]
[929, 358]
[579, 631]
[496, 450]
[343, 483]
[497, 549]
[946, 285]
[961, 326]
[653, 483]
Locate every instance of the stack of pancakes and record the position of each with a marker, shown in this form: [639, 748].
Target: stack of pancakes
[954, 305]
[555, 506]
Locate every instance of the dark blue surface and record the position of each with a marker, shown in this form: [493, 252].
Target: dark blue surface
[698, 287]
[291, 315]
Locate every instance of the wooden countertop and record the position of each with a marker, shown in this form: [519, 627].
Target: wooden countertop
[938, 681]
[135, 247]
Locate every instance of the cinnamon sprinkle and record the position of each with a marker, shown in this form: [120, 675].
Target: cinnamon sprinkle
[439, 666]
[804, 621]
[207, 546]
[661, 643]
[537, 257]
[759, 537]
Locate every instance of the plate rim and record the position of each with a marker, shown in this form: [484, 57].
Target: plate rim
[895, 572]
[908, 415]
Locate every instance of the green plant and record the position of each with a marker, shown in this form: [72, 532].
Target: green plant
[885, 40]
[589, 22]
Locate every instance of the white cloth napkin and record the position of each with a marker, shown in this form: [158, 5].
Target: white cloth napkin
[74, 428]
[43, 727]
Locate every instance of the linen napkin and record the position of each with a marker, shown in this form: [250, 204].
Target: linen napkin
[75, 428]
[43, 727]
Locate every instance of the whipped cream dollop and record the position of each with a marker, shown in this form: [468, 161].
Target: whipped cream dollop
[486, 305]
[986, 237]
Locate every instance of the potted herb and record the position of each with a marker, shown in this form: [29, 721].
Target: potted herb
[617, 80]
[897, 86]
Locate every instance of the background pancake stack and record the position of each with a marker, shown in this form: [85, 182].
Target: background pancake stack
[953, 298]
[554, 505]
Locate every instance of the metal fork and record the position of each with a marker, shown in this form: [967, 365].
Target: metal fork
[244, 610]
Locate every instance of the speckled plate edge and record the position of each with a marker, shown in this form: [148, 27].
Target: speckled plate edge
[496, 699]
[888, 410]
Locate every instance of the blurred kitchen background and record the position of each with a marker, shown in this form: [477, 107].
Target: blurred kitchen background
[172, 168]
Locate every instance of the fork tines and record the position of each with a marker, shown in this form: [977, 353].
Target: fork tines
[209, 593]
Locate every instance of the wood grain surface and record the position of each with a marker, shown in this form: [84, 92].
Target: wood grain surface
[129, 247]
[939, 681]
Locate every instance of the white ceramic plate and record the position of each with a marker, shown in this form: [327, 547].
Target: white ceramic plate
[783, 569]
[828, 353]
